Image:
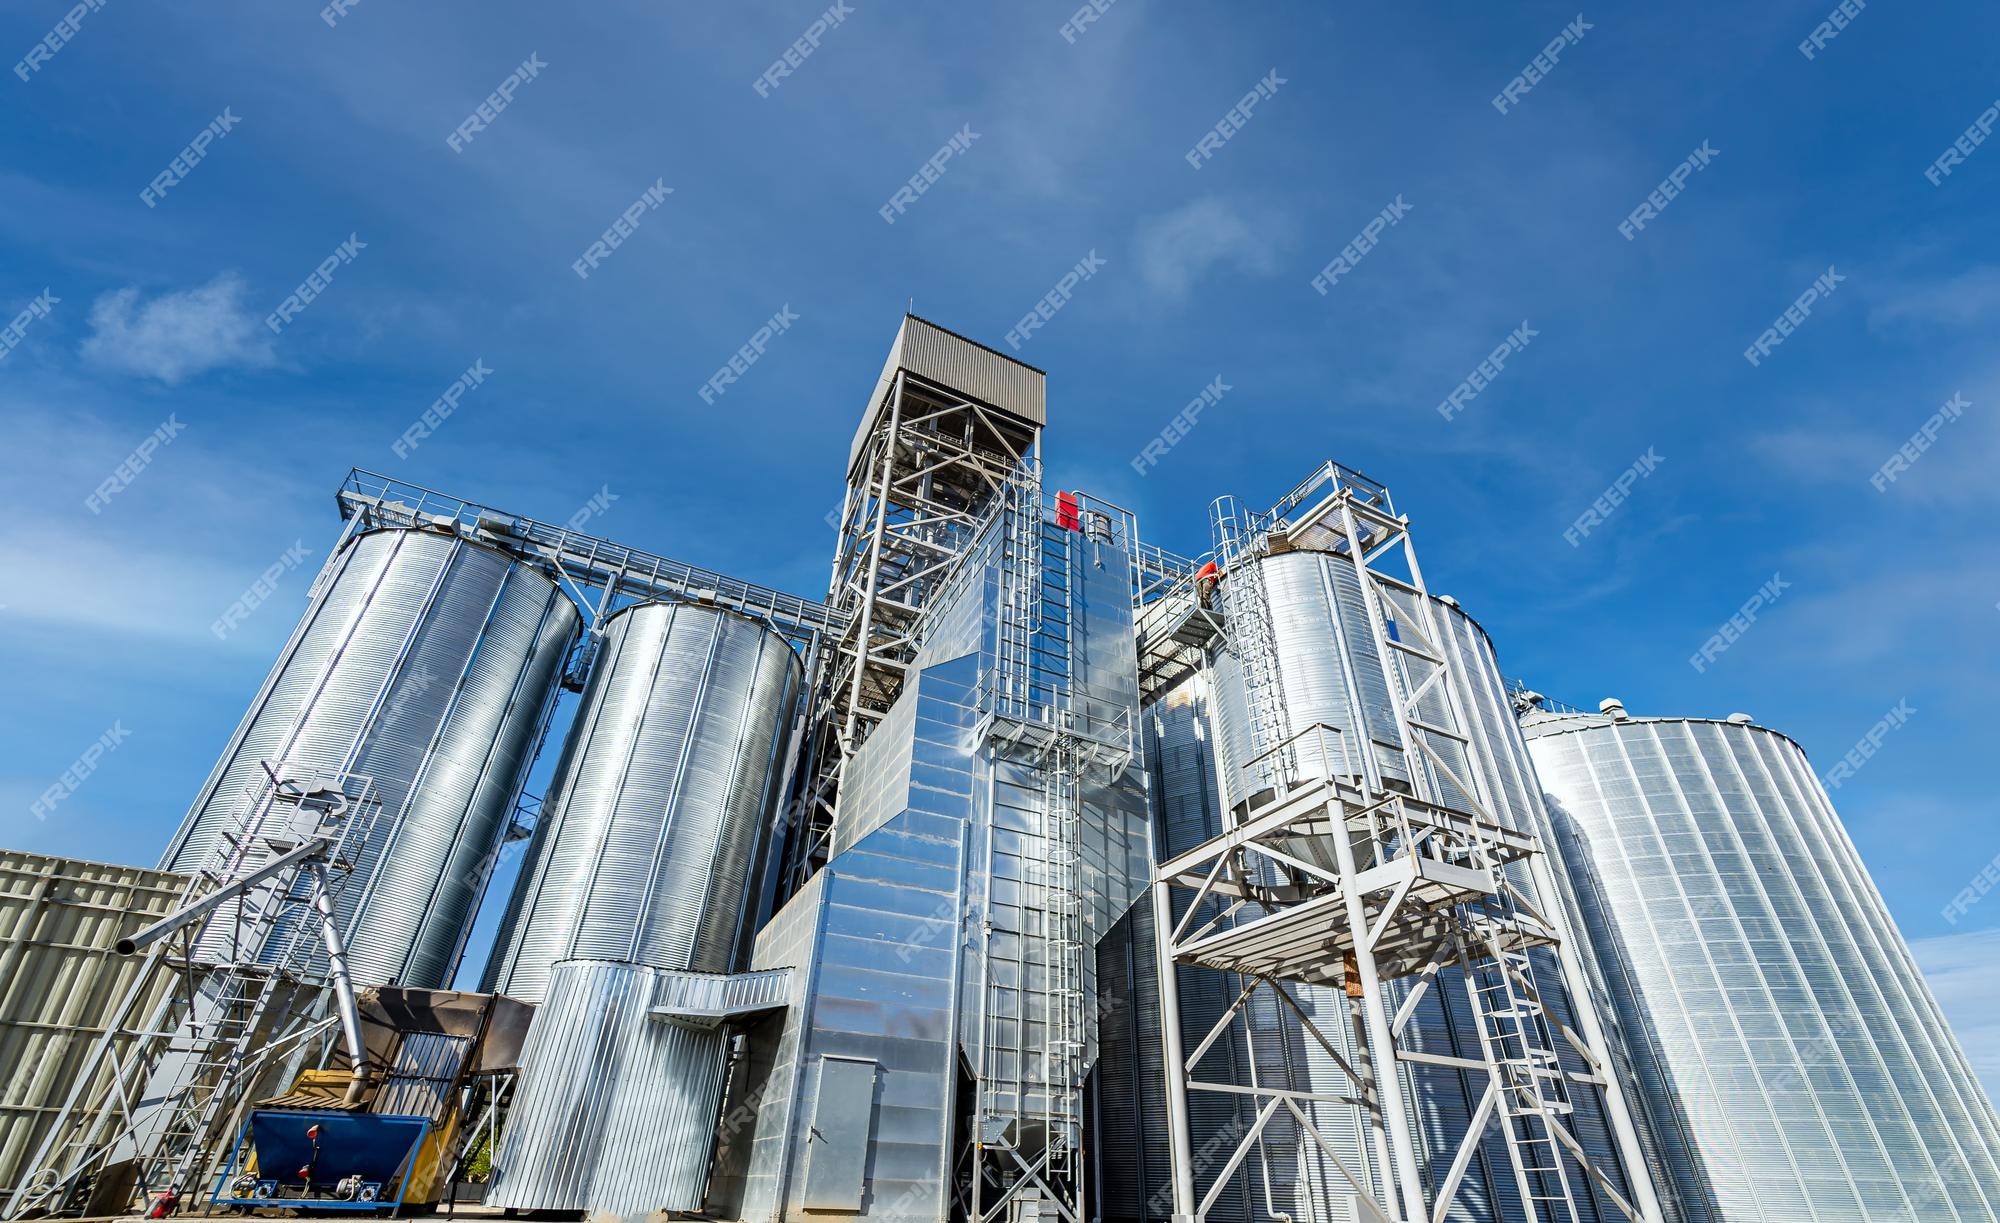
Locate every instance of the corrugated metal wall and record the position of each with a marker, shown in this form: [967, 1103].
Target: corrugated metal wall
[648, 847]
[616, 1110]
[60, 978]
[426, 663]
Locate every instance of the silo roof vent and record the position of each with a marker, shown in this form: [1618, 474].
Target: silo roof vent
[1741, 719]
[1613, 708]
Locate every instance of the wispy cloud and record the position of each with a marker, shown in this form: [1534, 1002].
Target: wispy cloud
[1180, 247]
[1953, 301]
[177, 335]
[1964, 972]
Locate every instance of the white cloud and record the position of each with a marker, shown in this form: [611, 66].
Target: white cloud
[1964, 972]
[1179, 247]
[1961, 300]
[177, 335]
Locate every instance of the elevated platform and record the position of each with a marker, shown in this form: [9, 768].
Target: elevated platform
[1276, 894]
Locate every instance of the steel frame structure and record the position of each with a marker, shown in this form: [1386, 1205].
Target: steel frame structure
[600, 575]
[1343, 878]
[252, 989]
[926, 478]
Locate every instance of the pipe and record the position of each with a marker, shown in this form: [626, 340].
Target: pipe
[1180, 1158]
[309, 852]
[343, 987]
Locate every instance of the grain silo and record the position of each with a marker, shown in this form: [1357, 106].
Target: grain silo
[648, 847]
[1331, 689]
[1793, 1062]
[635, 905]
[428, 663]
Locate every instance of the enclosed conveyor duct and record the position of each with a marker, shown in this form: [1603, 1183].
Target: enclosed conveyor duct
[428, 663]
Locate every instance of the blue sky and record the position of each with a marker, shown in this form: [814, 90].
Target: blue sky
[340, 131]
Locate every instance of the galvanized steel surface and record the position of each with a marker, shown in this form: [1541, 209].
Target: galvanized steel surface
[937, 355]
[647, 852]
[60, 977]
[1791, 1058]
[616, 1110]
[1331, 673]
[426, 662]
[1329, 669]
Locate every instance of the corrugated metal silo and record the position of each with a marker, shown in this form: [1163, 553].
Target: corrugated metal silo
[428, 663]
[1326, 663]
[1792, 1061]
[1329, 671]
[648, 850]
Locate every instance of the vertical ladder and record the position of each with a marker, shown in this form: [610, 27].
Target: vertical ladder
[1020, 610]
[1530, 1091]
[1063, 936]
[1253, 640]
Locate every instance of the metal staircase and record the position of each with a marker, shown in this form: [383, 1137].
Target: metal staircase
[255, 944]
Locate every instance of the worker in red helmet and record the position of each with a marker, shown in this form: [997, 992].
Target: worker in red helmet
[1205, 580]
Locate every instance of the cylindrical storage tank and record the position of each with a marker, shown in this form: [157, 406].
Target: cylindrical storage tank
[1331, 671]
[1327, 667]
[427, 663]
[1793, 1062]
[649, 846]
[616, 1109]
